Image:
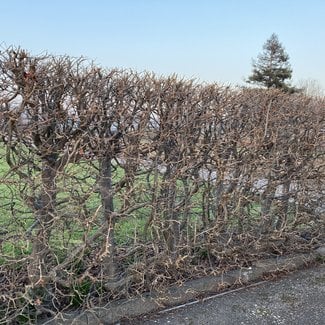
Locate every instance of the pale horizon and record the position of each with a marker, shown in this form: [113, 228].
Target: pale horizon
[211, 41]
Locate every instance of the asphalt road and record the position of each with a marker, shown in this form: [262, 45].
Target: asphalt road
[297, 299]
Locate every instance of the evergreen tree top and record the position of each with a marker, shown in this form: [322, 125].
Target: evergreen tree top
[272, 67]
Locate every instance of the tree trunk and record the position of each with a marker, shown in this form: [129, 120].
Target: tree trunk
[266, 205]
[284, 206]
[171, 230]
[45, 209]
[106, 188]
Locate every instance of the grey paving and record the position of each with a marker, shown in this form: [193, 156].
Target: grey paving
[298, 298]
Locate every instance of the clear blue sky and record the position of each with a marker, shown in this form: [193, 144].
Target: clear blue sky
[211, 40]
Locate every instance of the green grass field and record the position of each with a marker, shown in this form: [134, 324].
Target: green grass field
[78, 211]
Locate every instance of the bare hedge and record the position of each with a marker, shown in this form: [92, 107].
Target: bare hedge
[113, 183]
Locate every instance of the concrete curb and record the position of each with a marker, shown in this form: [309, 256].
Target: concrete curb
[191, 290]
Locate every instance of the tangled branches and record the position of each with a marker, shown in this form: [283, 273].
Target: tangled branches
[114, 182]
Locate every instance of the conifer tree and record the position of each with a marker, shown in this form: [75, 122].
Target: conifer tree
[272, 68]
